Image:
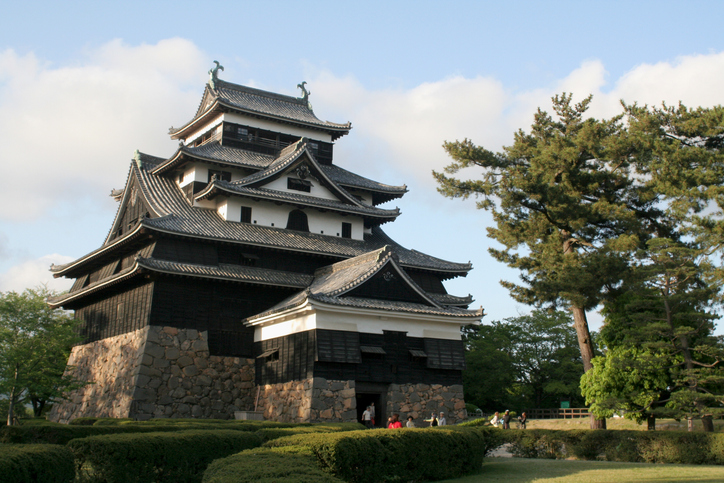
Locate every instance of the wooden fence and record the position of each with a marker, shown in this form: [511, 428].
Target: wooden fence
[560, 413]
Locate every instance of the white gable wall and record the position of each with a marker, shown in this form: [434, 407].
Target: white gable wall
[271, 214]
[317, 190]
[367, 321]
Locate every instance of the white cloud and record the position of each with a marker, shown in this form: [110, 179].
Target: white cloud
[67, 130]
[32, 273]
[406, 128]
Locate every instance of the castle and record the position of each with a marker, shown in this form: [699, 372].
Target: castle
[249, 272]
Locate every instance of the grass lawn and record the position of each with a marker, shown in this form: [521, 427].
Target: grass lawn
[522, 470]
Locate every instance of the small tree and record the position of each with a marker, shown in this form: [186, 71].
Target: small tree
[662, 357]
[35, 342]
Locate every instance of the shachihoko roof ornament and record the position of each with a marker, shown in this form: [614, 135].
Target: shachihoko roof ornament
[305, 94]
[214, 74]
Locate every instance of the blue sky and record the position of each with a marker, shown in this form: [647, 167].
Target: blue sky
[84, 84]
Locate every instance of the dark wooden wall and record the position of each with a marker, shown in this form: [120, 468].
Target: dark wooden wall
[115, 314]
[337, 355]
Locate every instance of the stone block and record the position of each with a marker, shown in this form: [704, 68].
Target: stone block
[173, 382]
[178, 393]
[190, 370]
[154, 349]
[336, 386]
[226, 397]
[143, 380]
[460, 405]
[183, 409]
[456, 388]
[199, 345]
[189, 399]
[170, 330]
[164, 400]
[414, 397]
[149, 371]
[184, 361]
[201, 363]
[423, 387]
[152, 335]
[161, 363]
[172, 353]
[145, 360]
[197, 411]
[319, 382]
[347, 393]
[203, 380]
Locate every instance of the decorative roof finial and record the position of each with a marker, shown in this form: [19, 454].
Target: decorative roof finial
[305, 94]
[137, 158]
[214, 74]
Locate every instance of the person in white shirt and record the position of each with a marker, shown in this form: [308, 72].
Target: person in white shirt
[367, 418]
[496, 420]
[441, 420]
[410, 423]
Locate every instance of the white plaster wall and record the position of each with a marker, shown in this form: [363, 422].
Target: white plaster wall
[272, 126]
[317, 190]
[270, 214]
[364, 322]
[204, 128]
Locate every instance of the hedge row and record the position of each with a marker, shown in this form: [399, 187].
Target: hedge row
[47, 463]
[156, 457]
[364, 456]
[54, 433]
[676, 447]
[291, 464]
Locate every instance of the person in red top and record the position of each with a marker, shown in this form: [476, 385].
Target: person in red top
[395, 422]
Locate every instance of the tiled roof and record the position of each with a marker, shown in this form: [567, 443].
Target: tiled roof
[176, 216]
[215, 152]
[332, 282]
[234, 273]
[264, 104]
[276, 105]
[230, 272]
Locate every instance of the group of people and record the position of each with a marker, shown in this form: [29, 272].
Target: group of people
[504, 422]
[393, 422]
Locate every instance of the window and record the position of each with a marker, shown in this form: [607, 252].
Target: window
[346, 230]
[246, 214]
[299, 184]
[297, 221]
[220, 175]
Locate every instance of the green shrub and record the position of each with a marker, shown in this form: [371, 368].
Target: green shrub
[291, 464]
[624, 446]
[267, 434]
[475, 422]
[55, 433]
[157, 457]
[410, 454]
[36, 463]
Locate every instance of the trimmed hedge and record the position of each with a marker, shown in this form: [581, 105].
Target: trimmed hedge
[36, 463]
[268, 434]
[677, 447]
[55, 433]
[156, 457]
[292, 464]
[373, 456]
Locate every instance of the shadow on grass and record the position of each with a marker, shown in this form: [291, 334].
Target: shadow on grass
[522, 470]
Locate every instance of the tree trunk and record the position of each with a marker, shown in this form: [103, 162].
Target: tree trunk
[690, 424]
[585, 344]
[651, 422]
[708, 423]
[13, 397]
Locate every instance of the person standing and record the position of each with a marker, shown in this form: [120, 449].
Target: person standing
[372, 411]
[410, 423]
[506, 419]
[495, 420]
[395, 422]
[432, 420]
[522, 419]
[367, 418]
[441, 421]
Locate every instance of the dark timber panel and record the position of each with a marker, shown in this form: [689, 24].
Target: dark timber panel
[388, 285]
[115, 314]
[133, 212]
[397, 365]
[284, 359]
[190, 303]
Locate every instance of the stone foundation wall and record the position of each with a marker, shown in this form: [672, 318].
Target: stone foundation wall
[157, 372]
[309, 401]
[178, 379]
[419, 400]
[333, 401]
[110, 366]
